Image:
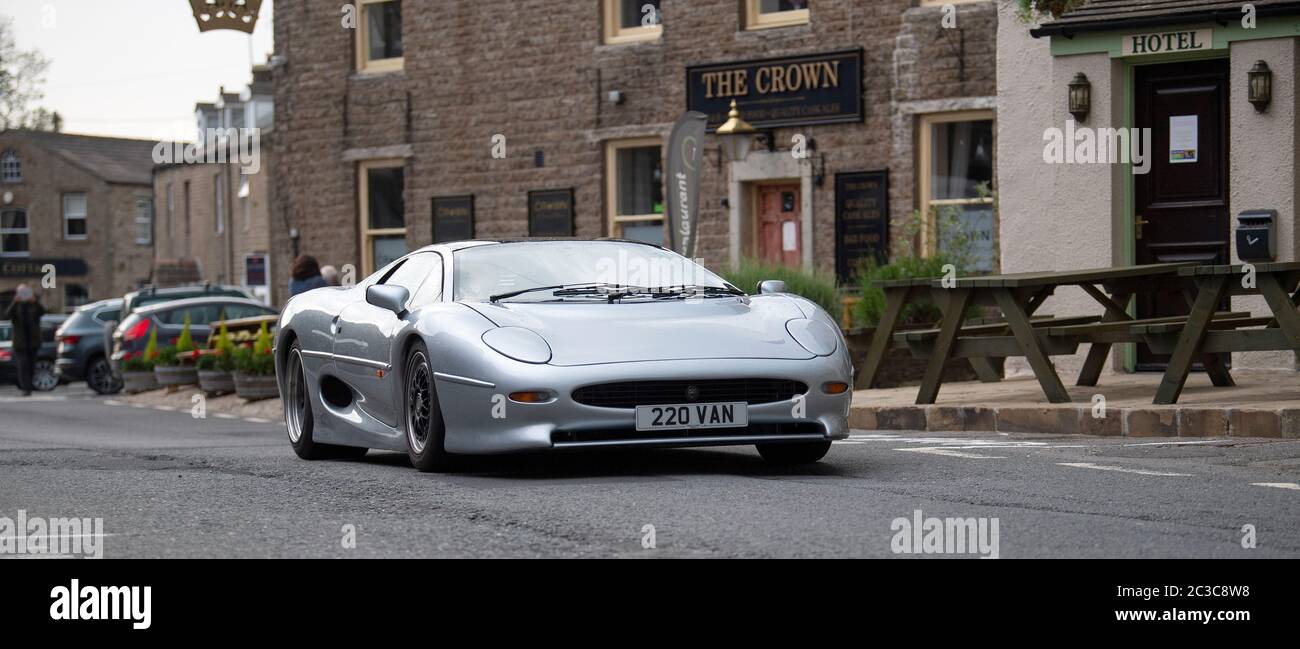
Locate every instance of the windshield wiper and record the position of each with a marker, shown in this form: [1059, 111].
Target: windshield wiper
[590, 288]
[690, 290]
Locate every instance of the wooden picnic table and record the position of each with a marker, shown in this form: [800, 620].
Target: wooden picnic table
[1018, 295]
[1202, 336]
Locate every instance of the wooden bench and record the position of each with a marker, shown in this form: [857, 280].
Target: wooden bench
[1163, 338]
[991, 340]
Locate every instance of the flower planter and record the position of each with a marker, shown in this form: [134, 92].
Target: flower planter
[215, 382]
[253, 387]
[133, 382]
[176, 375]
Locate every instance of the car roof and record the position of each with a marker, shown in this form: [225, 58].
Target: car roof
[453, 246]
[222, 299]
[151, 290]
[110, 303]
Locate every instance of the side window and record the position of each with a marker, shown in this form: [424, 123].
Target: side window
[111, 315]
[431, 290]
[413, 273]
[237, 311]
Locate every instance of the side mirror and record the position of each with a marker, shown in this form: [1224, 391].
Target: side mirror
[388, 296]
[771, 286]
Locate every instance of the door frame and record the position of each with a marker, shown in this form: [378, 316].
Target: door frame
[767, 167]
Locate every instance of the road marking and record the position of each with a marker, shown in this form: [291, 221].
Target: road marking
[1107, 467]
[257, 420]
[951, 453]
[224, 415]
[164, 408]
[1277, 485]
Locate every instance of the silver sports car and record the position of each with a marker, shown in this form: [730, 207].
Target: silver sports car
[499, 346]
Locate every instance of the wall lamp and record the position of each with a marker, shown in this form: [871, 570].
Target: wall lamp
[1261, 85]
[1080, 97]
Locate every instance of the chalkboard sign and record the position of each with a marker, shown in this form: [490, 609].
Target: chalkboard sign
[550, 213]
[453, 218]
[861, 220]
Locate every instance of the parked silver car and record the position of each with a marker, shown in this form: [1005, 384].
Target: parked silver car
[498, 346]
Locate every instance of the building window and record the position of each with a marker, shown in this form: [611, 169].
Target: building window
[761, 14]
[955, 181]
[632, 20]
[379, 36]
[74, 216]
[244, 204]
[143, 221]
[75, 295]
[381, 185]
[634, 177]
[14, 233]
[11, 167]
[219, 202]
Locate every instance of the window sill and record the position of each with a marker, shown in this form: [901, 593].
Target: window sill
[795, 19]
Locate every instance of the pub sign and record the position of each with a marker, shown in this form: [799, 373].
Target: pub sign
[787, 91]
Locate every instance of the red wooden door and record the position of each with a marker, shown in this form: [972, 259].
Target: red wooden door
[780, 235]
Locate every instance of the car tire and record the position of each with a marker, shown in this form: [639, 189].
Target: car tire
[794, 453]
[44, 376]
[298, 418]
[421, 414]
[99, 376]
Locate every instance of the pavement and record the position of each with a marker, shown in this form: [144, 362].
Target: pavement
[169, 485]
[1261, 404]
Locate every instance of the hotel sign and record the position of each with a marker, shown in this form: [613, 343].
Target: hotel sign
[789, 91]
[1191, 40]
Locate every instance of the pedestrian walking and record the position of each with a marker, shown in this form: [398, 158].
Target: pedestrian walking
[305, 276]
[25, 314]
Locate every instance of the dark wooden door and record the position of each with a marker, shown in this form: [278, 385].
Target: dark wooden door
[1181, 205]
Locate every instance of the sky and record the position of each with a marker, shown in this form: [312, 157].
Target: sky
[133, 68]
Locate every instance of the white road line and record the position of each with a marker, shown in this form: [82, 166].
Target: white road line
[951, 453]
[257, 420]
[1277, 485]
[1106, 467]
[224, 415]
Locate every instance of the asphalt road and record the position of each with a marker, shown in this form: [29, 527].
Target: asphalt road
[168, 485]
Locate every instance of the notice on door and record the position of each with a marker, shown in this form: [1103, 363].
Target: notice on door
[789, 240]
[1182, 139]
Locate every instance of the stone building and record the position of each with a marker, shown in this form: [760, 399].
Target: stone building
[214, 216]
[1182, 69]
[404, 122]
[80, 205]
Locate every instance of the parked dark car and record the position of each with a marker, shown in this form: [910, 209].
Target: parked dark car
[135, 300]
[45, 377]
[132, 335]
[82, 352]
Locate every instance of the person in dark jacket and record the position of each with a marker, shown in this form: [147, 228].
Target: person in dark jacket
[305, 275]
[25, 314]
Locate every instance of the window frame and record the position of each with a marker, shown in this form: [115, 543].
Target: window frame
[757, 19]
[616, 34]
[145, 220]
[364, 63]
[171, 213]
[368, 234]
[925, 162]
[10, 159]
[85, 216]
[27, 219]
[613, 220]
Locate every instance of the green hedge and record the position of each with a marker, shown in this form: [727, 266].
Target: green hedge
[818, 287]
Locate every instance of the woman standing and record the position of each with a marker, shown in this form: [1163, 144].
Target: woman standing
[305, 276]
[26, 312]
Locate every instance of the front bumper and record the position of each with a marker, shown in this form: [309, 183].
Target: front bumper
[480, 417]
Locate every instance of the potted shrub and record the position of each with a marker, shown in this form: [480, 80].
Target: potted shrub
[255, 369]
[217, 366]
[174, 365]
[137, 369]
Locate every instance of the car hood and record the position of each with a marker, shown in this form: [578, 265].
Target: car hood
[586, 334]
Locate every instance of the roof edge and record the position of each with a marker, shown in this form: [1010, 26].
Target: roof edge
[1222, 16]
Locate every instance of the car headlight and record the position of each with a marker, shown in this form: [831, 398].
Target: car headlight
[813, 335]
[521, 344]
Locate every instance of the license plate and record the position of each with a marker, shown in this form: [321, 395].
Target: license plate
[678, 416]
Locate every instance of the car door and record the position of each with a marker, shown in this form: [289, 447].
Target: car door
[363, 335]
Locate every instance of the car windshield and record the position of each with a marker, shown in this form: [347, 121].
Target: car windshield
[482, 272]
